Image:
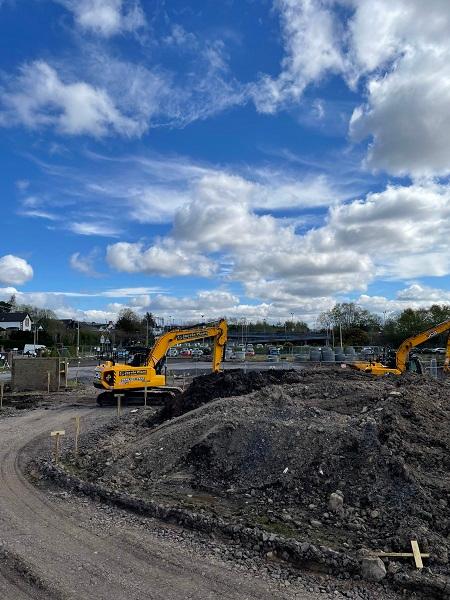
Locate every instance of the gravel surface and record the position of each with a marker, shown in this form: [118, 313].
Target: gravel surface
[339, 458]
[80, 549]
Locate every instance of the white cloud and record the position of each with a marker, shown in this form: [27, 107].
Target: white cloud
[98, 229]
[37, 97]
[408, 92]
[14, 270]
[312, 49]
[106, 17]
[165, 259]
[405, 229]
[84, 264]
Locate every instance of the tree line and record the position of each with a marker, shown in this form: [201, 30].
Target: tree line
[359, 326]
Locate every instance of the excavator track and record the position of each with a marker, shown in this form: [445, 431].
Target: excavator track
[155, 396]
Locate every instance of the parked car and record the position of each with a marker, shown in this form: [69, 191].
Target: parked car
[186, 352]
[197, 352]
[172, 352]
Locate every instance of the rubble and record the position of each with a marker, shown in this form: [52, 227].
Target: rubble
[330, 458]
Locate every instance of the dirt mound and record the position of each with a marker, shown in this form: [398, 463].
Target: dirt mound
[228, 383]
[275, 456]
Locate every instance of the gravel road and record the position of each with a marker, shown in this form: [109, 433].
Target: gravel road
[83, 550]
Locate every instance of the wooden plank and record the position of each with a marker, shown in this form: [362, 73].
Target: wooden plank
[417, 554]
[401, 554]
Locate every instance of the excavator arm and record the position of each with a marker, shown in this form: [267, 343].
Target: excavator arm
[402, 354]
[179, 336]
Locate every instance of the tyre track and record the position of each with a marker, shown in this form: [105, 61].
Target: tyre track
[78, 561]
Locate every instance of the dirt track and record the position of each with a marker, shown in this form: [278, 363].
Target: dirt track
[79, 554]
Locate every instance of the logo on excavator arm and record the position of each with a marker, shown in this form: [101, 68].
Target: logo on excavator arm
[432, 333]
[193, 334]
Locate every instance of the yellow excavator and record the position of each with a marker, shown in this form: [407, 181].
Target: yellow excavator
[400, 361]
[130, 380]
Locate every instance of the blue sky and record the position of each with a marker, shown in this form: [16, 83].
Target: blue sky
[248, 159]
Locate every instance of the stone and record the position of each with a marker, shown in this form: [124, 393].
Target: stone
[336, 503]
[373, 569]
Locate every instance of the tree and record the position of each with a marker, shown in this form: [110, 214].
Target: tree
[348, 315]
[128, 321]
[412, 321]
[8, 306]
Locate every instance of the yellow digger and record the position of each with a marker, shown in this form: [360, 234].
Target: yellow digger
[118, 378]
[400, 361]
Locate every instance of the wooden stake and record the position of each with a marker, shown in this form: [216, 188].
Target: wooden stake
[145, 396]
[119, 403]
[2, 386]
[57, 435]
[48, 382]
[77, 433]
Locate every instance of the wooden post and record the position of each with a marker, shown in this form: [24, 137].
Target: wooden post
[119, 403]
[57, 435]
[48, 382]
[77, 433]
[145, 396]
[2, 387]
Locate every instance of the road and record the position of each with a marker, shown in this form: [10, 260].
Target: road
[86, 372]
[79, 554]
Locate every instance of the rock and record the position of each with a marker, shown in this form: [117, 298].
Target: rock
[375, 514]
[336, 503]
[373, 569]
[315, 523]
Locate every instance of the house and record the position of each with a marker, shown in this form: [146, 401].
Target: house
[15, 320]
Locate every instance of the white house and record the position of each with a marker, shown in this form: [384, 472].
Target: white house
[15, 320]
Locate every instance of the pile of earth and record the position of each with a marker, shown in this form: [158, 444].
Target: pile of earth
[334, 456]
[233, 382]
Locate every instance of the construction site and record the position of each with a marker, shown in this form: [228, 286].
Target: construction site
[321, 481]
[225, 300]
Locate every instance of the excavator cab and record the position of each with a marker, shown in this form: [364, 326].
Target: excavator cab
[414, 365]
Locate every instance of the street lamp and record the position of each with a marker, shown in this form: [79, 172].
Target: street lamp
[36, 331]
[292, 320]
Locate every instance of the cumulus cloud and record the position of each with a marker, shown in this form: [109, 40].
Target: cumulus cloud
[408, 67]
[403, 70]
[400, 233]
[106, 17]
[164, 259]
[14, 270]
[38, 97]
[404, 228]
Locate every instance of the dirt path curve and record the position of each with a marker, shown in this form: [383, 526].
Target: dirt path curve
[81, 561]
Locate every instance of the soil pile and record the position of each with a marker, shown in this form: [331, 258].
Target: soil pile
[228, 383]
[337, 457]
